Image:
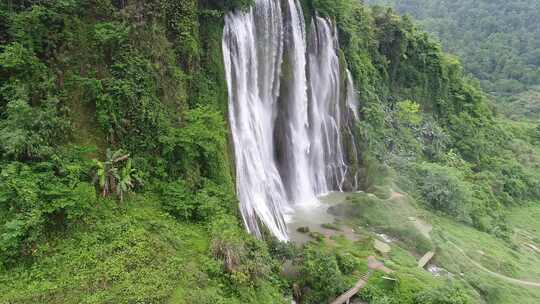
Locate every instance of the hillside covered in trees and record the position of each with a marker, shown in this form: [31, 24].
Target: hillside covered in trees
[117, 179]
[497, 41]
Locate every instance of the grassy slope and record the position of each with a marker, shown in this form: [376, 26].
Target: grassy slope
[132, 253]
[370, 216]
[511, 259]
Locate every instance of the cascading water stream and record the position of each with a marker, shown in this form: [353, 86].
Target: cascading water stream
[353, 104]
[292, 132]
[252, 47]
[327, 155]
[289, 112]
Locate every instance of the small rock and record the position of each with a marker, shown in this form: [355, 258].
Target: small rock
[317, 235]
[303, 229]
[381, 247]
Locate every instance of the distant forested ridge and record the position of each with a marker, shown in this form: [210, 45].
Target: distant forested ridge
[497, 41]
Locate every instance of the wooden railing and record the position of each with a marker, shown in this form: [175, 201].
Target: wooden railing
[373, 265]
[346, 297]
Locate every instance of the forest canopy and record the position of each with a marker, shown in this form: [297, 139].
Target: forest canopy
[497, 41]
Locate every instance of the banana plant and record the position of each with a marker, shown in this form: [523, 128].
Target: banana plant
[112, 177]
[127, 178]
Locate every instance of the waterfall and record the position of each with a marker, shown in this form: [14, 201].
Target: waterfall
[292, 132]
[289, 111]
[325, 83]
[352, 99]
[252, 48]
[352, 104]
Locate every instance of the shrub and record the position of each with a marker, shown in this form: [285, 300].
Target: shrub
[215, 199]
[37, 199]
[178, 200]
[202, 205]
[31, 133]
[408, 113]
[321, 274]
[347, 263]
[411, 237]
[444, 190]
[245, 259]
[447, 294]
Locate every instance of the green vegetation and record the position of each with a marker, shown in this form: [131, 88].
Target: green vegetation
[384, 216]
[428, 130]
[138, 253]
[424, 119]
[115, 180]
[110, 178]
[510, 258]
[115, 165]
[496, 40]
[478, 267]
[329, 264]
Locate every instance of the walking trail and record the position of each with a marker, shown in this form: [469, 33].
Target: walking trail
[495, 274]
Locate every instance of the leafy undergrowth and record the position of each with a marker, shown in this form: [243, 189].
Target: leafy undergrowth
[132, 253]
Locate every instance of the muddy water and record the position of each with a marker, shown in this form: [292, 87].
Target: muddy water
[314, 216]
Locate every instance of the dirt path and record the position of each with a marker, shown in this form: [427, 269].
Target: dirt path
[495, 274]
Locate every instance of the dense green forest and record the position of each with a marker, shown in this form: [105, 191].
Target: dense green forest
[498, 42]
[116, 171]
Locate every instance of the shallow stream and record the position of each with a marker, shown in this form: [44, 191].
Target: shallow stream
[313, 216]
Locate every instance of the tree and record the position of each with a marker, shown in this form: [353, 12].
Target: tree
[409, 113]
[496, 40]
